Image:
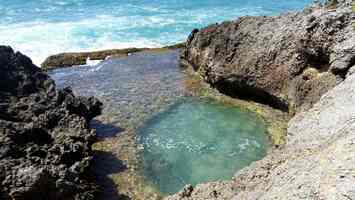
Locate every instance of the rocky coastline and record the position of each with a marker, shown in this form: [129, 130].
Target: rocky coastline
[45, 139]
[79, 58]
[302, 63]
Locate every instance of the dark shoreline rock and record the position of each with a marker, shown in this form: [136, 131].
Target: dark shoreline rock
[70, 59]
[45, 139]
[286, 61]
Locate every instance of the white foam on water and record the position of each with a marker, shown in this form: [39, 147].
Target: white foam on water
[245, 145]
[61, 3]
[90, 62]
[39, 40]
[114, 25]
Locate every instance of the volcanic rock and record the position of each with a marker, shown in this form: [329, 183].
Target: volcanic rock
[45, 139]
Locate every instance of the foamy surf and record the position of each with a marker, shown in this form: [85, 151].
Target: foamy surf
[43, 29]
[90, 62]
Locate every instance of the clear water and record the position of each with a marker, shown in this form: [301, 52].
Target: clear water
[197, 141]
[181, 139]
[131, 88]
[40, 28]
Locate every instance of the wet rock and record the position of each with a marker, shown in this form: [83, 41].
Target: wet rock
[266, 59]
[45, 139]
[79, 58]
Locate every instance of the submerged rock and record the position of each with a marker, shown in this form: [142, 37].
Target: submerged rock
[286, 61]
[45, 139]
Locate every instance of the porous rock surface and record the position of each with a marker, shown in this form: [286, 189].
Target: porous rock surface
[45, 140]
[286, 61]
[318, 161]
[301, 60]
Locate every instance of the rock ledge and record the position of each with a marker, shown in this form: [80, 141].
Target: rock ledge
[287, 61]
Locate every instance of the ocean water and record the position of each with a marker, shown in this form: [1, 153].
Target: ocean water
[40, 28]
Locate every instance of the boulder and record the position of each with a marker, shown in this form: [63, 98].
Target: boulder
[286, 61]
[45, 139]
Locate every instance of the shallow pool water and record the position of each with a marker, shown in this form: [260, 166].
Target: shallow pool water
[195, 141]
[155, 128]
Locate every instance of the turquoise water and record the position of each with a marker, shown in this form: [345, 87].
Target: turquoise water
[181, 139]
[195, 141]
[44, 27]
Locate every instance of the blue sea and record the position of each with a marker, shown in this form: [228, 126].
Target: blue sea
[40, 28]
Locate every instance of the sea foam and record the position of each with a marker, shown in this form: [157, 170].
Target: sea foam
[50, 27]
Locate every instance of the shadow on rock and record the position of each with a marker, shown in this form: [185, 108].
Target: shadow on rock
[105, 130]
[106, 164]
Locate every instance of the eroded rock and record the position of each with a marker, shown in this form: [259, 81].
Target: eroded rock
[317, 162]
[298, 59]
[268, 59]
[45, 139]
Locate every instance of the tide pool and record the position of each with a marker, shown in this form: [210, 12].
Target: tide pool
[40, 28]
[196, 141]
[166, 136]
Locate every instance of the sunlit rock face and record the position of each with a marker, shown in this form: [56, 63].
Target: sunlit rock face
[287, 61]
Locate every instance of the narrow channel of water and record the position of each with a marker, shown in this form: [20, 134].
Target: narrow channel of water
[150, 117]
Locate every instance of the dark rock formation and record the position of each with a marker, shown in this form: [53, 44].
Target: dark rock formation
[286, 61]
[45, 140]
[71, 59]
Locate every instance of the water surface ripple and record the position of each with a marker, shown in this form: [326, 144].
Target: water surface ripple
[40, 28]
[150, 116]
